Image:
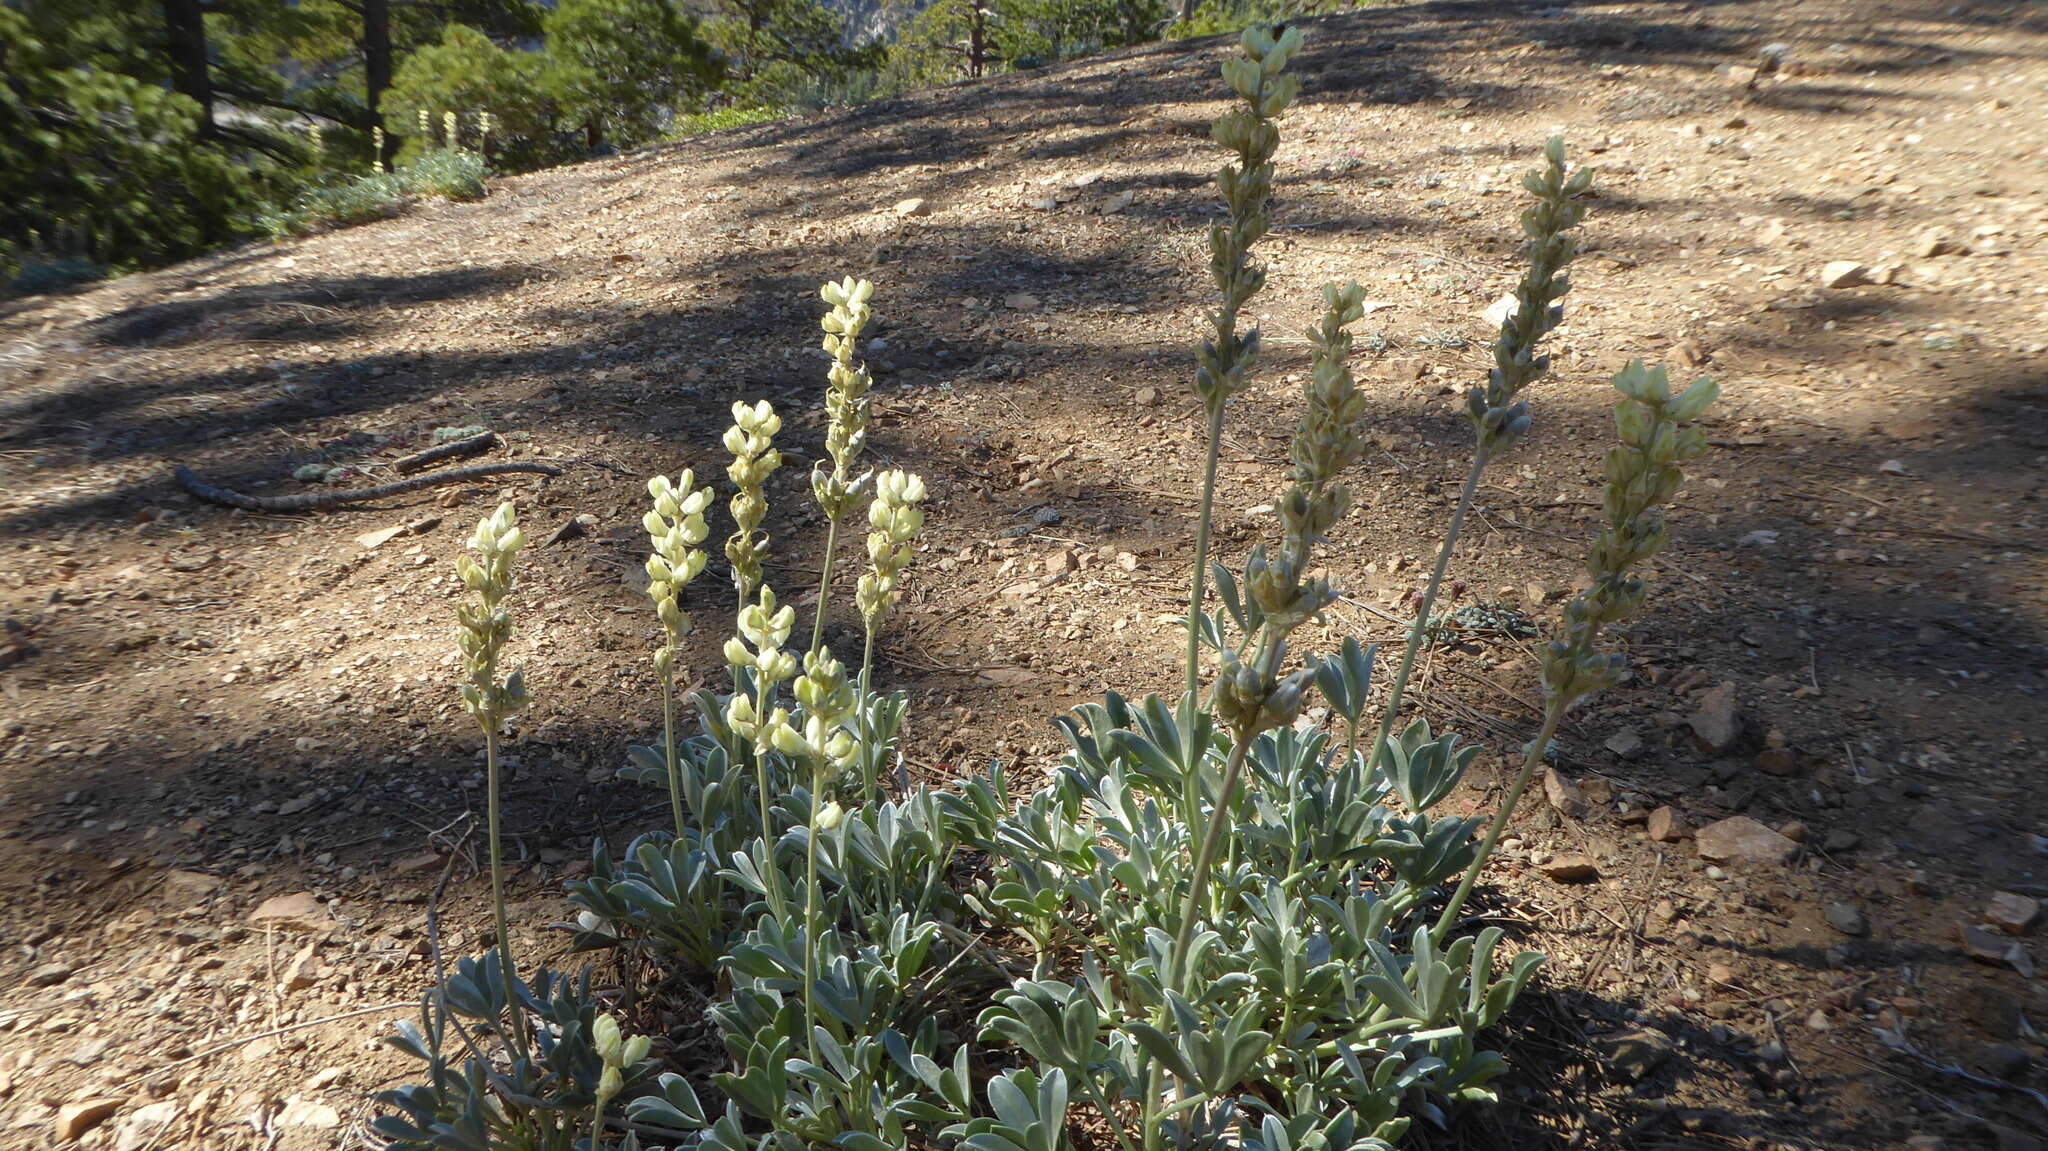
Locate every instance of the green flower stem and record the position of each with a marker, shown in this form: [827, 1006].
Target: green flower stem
[1094, 1089]
[1421, 625]
[668, 747]
[811, 912]
[770, 874]
[505, 968]
[825, 584]
[1202, 549]
[868, 783]
[1552, 715]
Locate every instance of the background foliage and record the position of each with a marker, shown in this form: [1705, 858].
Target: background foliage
[135, 134]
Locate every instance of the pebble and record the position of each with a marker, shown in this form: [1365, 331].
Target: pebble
[1633, 1055]
[299, 911]
[1818, 1021]
[1848, 919]
[2011, 913]
[1625, 743]
[50, 974]
[1740, 839]
[915, 206]
[75, 1119]
[1716, 723]
[1563, 794]
[1666, 825]
[1843, 274]
[1570, 868]
[1021, 302]
[1839, 840]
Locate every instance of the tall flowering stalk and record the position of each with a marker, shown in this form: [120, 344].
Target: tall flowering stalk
[483, 131]
[846, 405]
[377, 150]
[751, 440]
[618, 1055]
[824, 743]
[450, 130]
[756, 653]
[1254, 696]
[894, 517]
[675, 526]
[1499, 417]
[485, 625]
[1643, 473]
[1225, 359]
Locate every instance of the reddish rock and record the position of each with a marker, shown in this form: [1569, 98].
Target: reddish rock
[1740, 839]
[1666, 825]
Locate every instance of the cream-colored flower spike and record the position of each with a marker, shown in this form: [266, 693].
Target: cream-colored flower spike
[751, 440]
[895, 517]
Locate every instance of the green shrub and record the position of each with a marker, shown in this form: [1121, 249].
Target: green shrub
[1212, 927]
[447, 173]
[722, 119]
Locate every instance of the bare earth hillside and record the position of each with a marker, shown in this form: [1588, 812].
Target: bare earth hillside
[202, 710]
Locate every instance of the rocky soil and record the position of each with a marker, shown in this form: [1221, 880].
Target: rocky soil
[1786, 873]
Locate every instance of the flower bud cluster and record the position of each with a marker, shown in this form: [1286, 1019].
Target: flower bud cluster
[827, 698]
[764, 629]
[895, 517]
[487, 624]
[618, 1054]
[1251, 697]
[847, 401]
[751, 440]
[1258, 78]
[449, 128]
[675, 526]
[1497, 416]
[1643, 472]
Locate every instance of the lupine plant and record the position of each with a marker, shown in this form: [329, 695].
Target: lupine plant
[1216, 924]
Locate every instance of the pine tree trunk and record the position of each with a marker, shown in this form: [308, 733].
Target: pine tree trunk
[185, 40]
[377, 68]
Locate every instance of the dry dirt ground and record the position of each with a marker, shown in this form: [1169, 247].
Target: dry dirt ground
[204, 710]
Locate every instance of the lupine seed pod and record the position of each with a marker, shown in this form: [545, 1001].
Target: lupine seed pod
[750, 439]
[1643, 472]
[1497, 416]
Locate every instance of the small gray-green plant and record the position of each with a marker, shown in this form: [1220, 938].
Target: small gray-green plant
[1226, 910]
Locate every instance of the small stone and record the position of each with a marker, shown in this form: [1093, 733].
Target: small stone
[1597, 793]
[1839, 840]
[1779, 761]
[2004, 1061]
[1818, 1021]
[1721, 974]
[1916, 882]
[1061, 563]
[1500, 310]
[186, 888]
[50, 974]
[1563, 794]
[1691, 353]
[2011, 913]
[1848, 919]
[1892, 468]
[371, 541]
[75, 1119]
[1793, 830]
[1771, 1051]
[1572, 868]
[1148, 397]
[1021, 302]
[1666, 825]
[304, 970]
[1988, 945]
[1740, 839]
[1716, 723]
[1843, 274]
[299, 1112]
[1625, 743]
[915, 206]
[1935, 243]
[1633, 1055]
[299, 911]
